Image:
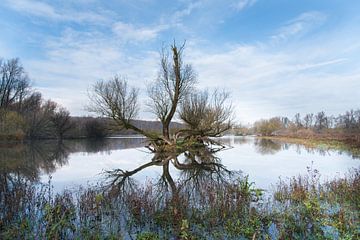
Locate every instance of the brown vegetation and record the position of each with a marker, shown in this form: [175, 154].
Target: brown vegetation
[344, 128]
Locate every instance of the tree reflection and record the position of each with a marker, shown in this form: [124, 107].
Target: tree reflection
[20, 166]
[30, 160]
[196, 166]
[267, 146]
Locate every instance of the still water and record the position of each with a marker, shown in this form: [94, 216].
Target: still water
[83, 162]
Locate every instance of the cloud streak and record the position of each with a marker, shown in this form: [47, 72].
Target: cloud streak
[242, 4]
[44, 10]
[300, 25]
[129, 32]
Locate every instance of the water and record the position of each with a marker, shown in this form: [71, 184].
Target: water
[81, 162]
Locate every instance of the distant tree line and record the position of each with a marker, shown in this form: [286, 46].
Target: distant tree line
[25, 114]
[319, 123]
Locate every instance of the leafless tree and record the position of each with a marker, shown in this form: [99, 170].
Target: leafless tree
[297, 120]
[38, 122]
[14, 83]
[171, 90]
[173, 84]
[61, 121]
[308, 120]
[321, 121]
[207, 114]
[349, 119]
[116, 100]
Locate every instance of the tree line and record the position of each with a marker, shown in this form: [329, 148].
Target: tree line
[25, 114]
[319, 123]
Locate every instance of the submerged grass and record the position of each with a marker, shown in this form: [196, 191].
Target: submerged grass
[301, 208]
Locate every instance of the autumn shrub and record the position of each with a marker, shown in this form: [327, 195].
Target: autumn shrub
[12, 126]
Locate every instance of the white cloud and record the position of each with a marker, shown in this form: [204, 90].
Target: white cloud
[76, 60]
[266, 79]
[242, 4]
[266, 82]
[180, 14]
[129, 32]
[44, 10]
[300, 25]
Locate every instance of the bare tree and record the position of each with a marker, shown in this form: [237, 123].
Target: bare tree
[297, 120]
[61, 121]
[14, 83]
[116, 100]
[357, 119]
[308, 120]
[167, 93]
[321, 121]
[38, 122]
[207, 115]
[349, 119]
[174, 82]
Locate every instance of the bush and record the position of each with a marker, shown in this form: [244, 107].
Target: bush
[12, 126]
[267, 127]
[95, 129]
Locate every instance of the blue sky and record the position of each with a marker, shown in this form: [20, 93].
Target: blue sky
[276, 57]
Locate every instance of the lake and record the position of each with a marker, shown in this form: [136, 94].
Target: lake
[82, 162]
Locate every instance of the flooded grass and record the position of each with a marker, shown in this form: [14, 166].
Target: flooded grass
[301, 208]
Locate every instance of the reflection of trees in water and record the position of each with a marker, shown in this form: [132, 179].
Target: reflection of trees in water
[267, 146]
[299, 148]
[104, 145]
[29, 160]
[203, 185]
[270, 146]
[229, 141]
[21, 166]
[199, 185]
[197, 166]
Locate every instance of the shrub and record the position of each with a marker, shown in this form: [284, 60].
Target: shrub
[12, 126]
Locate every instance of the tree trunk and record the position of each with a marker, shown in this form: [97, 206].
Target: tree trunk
[166, 133]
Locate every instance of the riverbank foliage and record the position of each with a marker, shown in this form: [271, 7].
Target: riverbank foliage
[24, 113]
[343, 128]
[299, 208]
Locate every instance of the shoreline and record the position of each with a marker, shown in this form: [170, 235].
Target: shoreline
[334, 144]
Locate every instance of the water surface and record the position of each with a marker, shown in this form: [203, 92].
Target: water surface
[80, 162]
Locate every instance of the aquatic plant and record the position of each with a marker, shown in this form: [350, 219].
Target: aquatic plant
[301, 208]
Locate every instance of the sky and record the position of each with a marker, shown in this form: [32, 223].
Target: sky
[276, 57]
